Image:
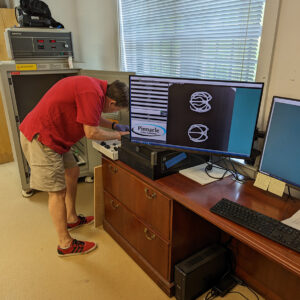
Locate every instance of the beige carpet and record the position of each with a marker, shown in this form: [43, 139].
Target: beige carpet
[30, 269]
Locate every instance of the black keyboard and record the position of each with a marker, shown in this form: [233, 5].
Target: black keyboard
[262, 224]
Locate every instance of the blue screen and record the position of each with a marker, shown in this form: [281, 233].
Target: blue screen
[245, 110]
[281, 153]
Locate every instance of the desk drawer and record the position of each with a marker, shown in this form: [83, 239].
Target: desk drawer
[144, 240]
[147, 203]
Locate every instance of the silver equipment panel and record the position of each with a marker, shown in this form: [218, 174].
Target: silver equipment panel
[38, 43]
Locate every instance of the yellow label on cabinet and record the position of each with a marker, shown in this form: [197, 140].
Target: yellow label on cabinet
[26, 67]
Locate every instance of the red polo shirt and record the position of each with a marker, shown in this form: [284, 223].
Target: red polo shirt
[59, 116]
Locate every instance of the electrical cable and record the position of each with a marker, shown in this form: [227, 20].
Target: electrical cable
[251, 290]
[235, 292]
[234, 168]
[243, 283]
[213, 164]
[211, 295]
[289, 191]
[234, 172]
[208, 295]
[227, 245]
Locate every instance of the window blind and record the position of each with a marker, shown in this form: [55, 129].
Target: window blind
[208, 39]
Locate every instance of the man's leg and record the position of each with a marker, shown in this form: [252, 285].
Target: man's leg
[48, 174]
[57, 209]
[67, 246]
[71, 177]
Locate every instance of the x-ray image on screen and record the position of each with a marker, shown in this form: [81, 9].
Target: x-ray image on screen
[200, 110]
[190, 114]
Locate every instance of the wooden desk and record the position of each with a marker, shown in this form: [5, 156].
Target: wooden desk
[271, 269]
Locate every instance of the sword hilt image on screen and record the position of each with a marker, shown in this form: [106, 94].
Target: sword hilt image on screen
[198, 133]
[199, 102]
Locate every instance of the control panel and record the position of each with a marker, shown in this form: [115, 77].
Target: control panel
[36, 43]
[108, 148]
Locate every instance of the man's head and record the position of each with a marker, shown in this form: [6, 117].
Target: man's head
[117, 97]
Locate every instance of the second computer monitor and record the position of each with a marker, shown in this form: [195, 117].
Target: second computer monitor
[188, 114]
[281, 153]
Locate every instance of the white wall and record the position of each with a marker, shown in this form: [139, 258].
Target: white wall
[94, 27]
[98, 34]
[285, 68]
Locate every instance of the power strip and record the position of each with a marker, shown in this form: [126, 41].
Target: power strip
[108, 148]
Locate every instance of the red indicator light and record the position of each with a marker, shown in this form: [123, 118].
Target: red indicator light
[40, 41]
[52, 41]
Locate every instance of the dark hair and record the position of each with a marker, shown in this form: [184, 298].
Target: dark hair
[118, 91]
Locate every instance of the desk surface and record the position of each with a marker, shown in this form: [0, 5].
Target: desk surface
[200, 198]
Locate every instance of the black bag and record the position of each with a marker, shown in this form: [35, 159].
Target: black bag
[35, 13]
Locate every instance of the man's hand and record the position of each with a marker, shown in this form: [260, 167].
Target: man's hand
[121, 127]
[123, 133]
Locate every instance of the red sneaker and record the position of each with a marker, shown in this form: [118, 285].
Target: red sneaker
[77, 247]
[81, 221]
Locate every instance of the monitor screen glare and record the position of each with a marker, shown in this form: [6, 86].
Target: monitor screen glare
[200, 115]
[281, 153]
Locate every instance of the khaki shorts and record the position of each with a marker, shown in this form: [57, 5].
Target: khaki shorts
[47, 166]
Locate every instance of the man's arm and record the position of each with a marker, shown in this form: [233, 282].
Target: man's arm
[105, 123]
[96, 133]
[108, 124]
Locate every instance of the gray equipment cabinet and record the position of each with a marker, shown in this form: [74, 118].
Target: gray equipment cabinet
[41, 58]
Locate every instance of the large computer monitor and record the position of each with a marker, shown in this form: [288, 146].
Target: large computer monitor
[198, 115]
[281, 153]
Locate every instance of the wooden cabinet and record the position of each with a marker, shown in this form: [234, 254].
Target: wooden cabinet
[7, 19]
[138, 234]
[140, 198]
[142, 219]
[159, 223]
[138, 216]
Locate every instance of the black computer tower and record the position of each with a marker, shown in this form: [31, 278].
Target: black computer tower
[192, 105]
[201, 271]
[155, 162]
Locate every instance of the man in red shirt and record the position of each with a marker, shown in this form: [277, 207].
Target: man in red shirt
[70, 110]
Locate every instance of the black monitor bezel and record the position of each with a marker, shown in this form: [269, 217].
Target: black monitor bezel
[265, 141]
[188, 149]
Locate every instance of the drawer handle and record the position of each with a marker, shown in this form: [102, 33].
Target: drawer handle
[114, 206]
[113, 169]
[149, 236]
[149, 194]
